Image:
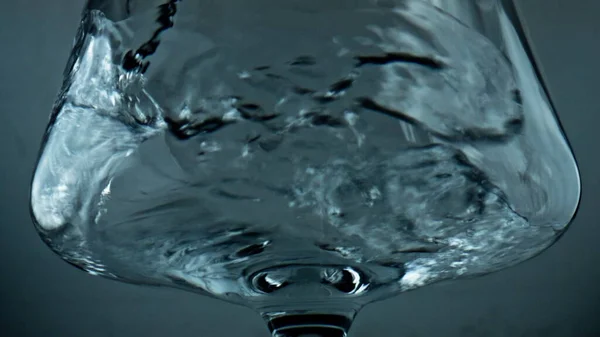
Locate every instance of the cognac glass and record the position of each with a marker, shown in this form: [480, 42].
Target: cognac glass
[302, 157]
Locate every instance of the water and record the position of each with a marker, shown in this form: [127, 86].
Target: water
[389, 149]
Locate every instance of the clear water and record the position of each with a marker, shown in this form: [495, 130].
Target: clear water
[262, 150]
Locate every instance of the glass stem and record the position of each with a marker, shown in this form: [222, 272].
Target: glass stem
[310, 325]
[310, 331]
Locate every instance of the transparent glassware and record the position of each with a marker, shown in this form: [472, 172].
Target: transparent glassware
[302, 157]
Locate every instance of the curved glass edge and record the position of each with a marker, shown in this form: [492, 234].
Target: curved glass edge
[515, 16]
[530, 74]
[502, 23]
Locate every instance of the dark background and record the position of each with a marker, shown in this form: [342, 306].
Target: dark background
[556, 294]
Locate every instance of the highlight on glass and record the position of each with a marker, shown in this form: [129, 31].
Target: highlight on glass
[303, 158]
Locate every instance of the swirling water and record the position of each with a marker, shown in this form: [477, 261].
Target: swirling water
[390, 149]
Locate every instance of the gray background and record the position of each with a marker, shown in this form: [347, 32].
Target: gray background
[556, 294]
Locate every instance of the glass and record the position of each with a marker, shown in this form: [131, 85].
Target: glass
[301, 157]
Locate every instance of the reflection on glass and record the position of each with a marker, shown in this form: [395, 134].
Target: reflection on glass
[302, 158]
